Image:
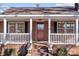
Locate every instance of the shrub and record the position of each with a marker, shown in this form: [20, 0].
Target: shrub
[62, 51]
[23, 51]
[9, 52]
[13, 52]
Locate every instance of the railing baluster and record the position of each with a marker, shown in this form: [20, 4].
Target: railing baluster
[16, 37]
[64, 38]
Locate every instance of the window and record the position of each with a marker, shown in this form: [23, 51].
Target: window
[16, 27]
[66, 27]
[20, 27]
[11, 27]
[40, 26]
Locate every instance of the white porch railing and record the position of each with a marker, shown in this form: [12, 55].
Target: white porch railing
[18, 37]
[55, 38]
[62, 38]
[1, 37]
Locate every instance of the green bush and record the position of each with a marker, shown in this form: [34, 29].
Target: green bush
[9, 52]
[13, 52]
[62, 51]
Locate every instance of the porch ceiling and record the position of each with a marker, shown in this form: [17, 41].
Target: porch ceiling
[24, 18]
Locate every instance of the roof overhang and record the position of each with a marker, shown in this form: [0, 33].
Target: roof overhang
[24, 17]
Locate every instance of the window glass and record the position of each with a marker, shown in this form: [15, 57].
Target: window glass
[40, 26]
[16, 27]
[11, 27]
[21, 28]
[66, 27]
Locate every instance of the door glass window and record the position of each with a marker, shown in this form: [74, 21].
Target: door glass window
[40, 26]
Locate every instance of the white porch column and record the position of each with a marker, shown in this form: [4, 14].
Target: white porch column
[31, 32]
[5, 29]
[49, 32]
[77, 31]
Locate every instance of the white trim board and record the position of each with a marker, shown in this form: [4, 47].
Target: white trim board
[37, 15]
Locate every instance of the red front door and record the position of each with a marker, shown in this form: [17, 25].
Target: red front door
[40, 31]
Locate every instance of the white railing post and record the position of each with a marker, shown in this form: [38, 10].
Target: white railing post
[77, 31]
[5, 30]
[49, 31]
[31, 32]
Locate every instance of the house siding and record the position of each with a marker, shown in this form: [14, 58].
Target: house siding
[33, 30]
[46, 30]
[1, 27]
[52, 26]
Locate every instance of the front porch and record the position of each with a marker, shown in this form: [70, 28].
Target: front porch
[52, 34]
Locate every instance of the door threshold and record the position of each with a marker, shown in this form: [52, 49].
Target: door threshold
[40, 42]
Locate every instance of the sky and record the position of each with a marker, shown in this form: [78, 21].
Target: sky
[28, 4]
[4, 6]
[34, 4]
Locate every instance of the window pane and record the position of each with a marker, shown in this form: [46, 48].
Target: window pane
[66, 27]
[16, 27]
[69, 30]
[40, 26]
[12, 28]
[60, 25]
[21, 28]
[60, 30]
